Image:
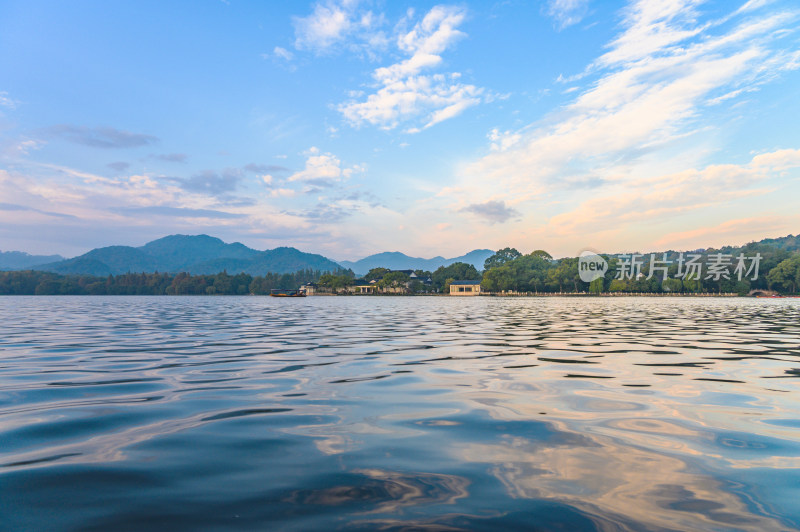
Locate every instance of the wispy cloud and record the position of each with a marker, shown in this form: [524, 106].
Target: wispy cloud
[403, 93]
[663, 197]
[119, 166]
[15, 207]
[171, 157]
[283, 53]
[566, 12]
[210, 182]
[653, 27]
[752, 5]
[19, 147]
[99, 137]
[179, 212]
[338, 23]
[88, 203]
[265, 168]
[656, 77]
[727, 233]
[327, 212]
[492, 211]
[6, 101]
[265, 173]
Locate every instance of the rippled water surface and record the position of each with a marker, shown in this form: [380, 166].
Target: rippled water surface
[321, 413]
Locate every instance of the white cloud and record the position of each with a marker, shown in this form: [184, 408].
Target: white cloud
[502, 141]
[662, 197]
[339, 23]
[727, 96]
[283, 53]
[80, 194]
[328, 24]
[778, 160]
[282, 193]
[644, 98]
[617, 153]
[653, 27]
[13, 148]
[566, 12]
[84, 202]
[403, 93]
[323, 169]
[425, 42]
[752, 5]
[435, 98]
[728, 232]
[6, 101]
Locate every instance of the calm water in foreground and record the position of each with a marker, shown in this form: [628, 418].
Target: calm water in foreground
[256, 413]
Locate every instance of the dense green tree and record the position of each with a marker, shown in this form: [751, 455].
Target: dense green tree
[785, 276]
[394, 280]
[692, 285]
[542, 254]
[567, 275]
[525, 273]
[501, 257]
[417, 287]
[221, 283]
[618, 285]
[596, 286]
[446, 285]
[672, 285]
[376, 274]
[335, 282]
[46, 283]
[458, 271]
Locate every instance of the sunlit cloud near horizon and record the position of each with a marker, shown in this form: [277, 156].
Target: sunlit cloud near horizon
[347, 128]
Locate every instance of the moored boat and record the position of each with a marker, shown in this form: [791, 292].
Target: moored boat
[275, 292]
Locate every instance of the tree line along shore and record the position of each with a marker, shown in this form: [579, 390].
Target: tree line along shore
[506, 272]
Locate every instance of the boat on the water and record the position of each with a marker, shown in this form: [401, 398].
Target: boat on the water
[275, 292]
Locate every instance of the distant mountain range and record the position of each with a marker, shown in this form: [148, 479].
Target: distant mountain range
[17, 260]
[200, 254]
[203, 254]
[394, 260]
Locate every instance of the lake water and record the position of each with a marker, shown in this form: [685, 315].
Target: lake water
[257, 413]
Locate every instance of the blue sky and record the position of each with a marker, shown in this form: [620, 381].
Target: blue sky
[353, 127]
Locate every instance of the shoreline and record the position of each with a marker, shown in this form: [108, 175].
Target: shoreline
[516, 295]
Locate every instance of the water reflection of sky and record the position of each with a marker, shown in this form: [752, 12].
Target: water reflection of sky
[584, 413]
